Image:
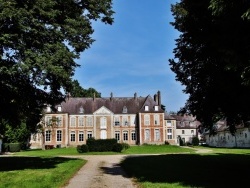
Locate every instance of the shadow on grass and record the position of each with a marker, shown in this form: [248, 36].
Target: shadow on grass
[21, 163]
[220, 170]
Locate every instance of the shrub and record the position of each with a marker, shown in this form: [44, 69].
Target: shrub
[11, 147]
[195, 141]
[82, 148]
[101, 145]
[117, 147]
[125, 146]
[167, 143]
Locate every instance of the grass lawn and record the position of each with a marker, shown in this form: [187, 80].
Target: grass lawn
[37, 172]
[220, 168]
[175, 167]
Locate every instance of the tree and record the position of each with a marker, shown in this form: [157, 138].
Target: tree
[40, 40]
[212, 59]
[79, 91]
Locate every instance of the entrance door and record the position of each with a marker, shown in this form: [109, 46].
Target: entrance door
[103, 134]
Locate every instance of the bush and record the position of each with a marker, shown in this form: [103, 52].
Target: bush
[195, 141]
[125, 146]
[11, 147]
[101, 145]
[82, 148]
[167, 143]
[117, 147]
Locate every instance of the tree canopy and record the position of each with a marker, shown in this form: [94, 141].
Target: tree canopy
[212, 59]
[40, 40]
[79, 91]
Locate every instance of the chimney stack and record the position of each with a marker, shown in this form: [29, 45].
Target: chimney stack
[159, 98]
[135, 95]
[111, 96]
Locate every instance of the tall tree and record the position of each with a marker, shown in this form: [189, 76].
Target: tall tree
[79, 91]
[212, 59]
[39, 41]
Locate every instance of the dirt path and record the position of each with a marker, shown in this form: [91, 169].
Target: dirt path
[102, 171]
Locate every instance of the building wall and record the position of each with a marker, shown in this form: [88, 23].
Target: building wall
[226, 139]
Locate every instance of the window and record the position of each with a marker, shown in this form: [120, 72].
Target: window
[147, 135]
[146, 120]
[132, 120]
[81, 110]
[146, 108]
[117, 135]
[103, 122]
[59, 108]
[125, 121]
[183, 131]
[156, 108]
[192, 132]
[245, 135]
[133, 136]
[124, 110]
[81, 121]
[169, 123]
[47, 136]
[117, 120]
[156, 119]
[157, 134]
[48, 109]
[89, 122]
[59, 121]
[169, 131]
[170, 137]
[72, 122]
[125, 135]
[72, 136]
[48, 121]
[89, 134]
[81, 136]
[58, 135]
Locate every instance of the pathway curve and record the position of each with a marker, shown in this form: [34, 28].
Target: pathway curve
[101, 171]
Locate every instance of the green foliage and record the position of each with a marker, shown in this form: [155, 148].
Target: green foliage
[78, 91]
[11, 147]
[212, 59]
[117, 147]
[19, 134]
[82, 148]
[125, 146]
[40, 41]
[101, 145]
[195, 141]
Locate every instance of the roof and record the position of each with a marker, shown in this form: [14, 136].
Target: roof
[186, 122]
[115, 104]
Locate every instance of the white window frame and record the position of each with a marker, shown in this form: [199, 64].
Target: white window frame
[125, 135]
[72, 136]
[146, 119]
[147, 135]
[89, 121]
[157, 135]
[156, 119]
[81, 135]
[72, 121]
[58, 135]
[81, 121]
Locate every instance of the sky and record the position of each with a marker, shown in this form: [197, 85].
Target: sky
[131, 55]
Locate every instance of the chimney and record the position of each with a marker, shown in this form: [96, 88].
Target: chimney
[111, 96]
[156, 98]
[135, 95]
[159, 98]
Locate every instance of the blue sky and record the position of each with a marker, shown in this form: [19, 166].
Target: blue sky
[132, 54]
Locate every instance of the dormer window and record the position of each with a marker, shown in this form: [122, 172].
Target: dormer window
[48, 109]
[59, 108]
[156, 108]
[146, 108]
[81, 110]
[124, 110]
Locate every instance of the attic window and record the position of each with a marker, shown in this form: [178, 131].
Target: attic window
[156, 108]
[48, 109]
[146, 108]
[124, 110]
[59, 108]
[81, 110]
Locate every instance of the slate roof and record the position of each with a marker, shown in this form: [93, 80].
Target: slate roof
[187, 122]
[115, 104]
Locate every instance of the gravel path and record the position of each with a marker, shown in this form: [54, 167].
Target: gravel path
[101, 171]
